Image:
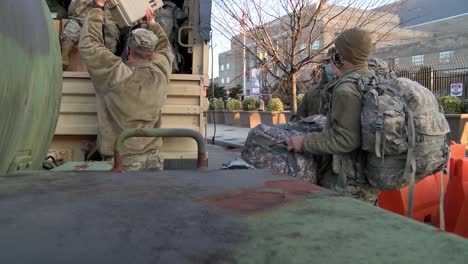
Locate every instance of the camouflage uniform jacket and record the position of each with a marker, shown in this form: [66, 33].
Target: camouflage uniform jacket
[342, 134]
[128, 95]
[311, 103]
[315, 100]
[79, 9]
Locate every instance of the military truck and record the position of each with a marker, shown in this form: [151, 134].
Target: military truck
[175, 216]
[76, 130]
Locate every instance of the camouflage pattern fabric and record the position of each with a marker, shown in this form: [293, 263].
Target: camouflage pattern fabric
[317, 98]
[266, 147]
[400, 116]
[171, 17]
[77, 11]
[147, 161]
[128, 95]
[381, 69]
[339, 142]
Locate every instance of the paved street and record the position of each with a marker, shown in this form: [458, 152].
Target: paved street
[228, 136]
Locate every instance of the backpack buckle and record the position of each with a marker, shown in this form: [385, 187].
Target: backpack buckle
[379, 122]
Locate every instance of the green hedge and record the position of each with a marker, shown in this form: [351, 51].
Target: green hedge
[275, 104]
[250, 104]
[451, 104]
[234, 105]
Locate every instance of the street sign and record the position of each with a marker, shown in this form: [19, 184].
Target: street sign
[255, 81]
[456, 89]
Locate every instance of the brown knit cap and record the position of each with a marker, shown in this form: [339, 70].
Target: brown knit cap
[354, 45]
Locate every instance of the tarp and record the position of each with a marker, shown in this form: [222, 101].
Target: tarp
[205, 19]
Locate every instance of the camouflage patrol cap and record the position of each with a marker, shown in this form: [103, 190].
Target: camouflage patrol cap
[143, 39]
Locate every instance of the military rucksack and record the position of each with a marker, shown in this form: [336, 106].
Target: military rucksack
[403, 132]
[266, 148]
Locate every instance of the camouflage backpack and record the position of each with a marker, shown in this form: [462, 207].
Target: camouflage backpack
[266, 148]
[403, 132]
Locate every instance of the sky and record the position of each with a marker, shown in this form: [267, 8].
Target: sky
[221, 44]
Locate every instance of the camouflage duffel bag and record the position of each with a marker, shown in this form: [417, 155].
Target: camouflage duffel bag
[266, 148]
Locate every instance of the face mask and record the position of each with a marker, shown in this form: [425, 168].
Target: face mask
[329, 72]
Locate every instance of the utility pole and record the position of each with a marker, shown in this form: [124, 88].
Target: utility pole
[244, 73]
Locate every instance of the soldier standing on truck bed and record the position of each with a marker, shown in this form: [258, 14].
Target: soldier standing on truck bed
[77, 12]
[130, 94]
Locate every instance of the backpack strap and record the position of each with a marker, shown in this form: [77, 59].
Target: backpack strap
[292, 162]
[410, 167]
[361, 83]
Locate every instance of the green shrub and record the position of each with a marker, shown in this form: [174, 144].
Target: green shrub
[218, 104]
[250, 104]
[299, 98]
[234, 105]
[275, 104]
[451, 104]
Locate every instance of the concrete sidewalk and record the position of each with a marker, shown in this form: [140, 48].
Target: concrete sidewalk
[228, 136]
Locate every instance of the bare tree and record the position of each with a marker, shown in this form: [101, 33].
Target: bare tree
[287, 38]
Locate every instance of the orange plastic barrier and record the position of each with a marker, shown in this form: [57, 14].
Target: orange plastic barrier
[456, 198]
[426, 193]
[461, 226]
[426, 199]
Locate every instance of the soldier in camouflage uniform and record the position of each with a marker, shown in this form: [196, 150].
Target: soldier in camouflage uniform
[131, 94]
[316, 99]
[341, 138]
[77, 12]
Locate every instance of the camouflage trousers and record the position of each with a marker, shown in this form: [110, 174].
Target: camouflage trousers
[150, 160]
[72, 29]
[363, 191]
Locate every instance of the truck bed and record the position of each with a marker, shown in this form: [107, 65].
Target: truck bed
[230, 216]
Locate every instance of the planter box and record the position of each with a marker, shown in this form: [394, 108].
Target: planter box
[272, 118]
[209, 116]
[250, 119]
[287, 115]
[216, 116]
[457, 123]
[231, 118]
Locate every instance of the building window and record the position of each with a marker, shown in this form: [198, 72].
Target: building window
[418, 59]
[276, 44]
[227, 80]
[316, 45]
[222, 80]
[445, 56]
[397, 61]
[302, 46]
[222, 67]
[227, 66]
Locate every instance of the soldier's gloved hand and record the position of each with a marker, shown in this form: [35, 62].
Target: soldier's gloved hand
[295, 143]
[100, 3]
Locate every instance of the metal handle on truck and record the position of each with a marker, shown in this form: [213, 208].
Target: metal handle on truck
[158, 132]
[179, 36]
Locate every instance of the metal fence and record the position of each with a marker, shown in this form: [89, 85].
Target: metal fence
[438, 76]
